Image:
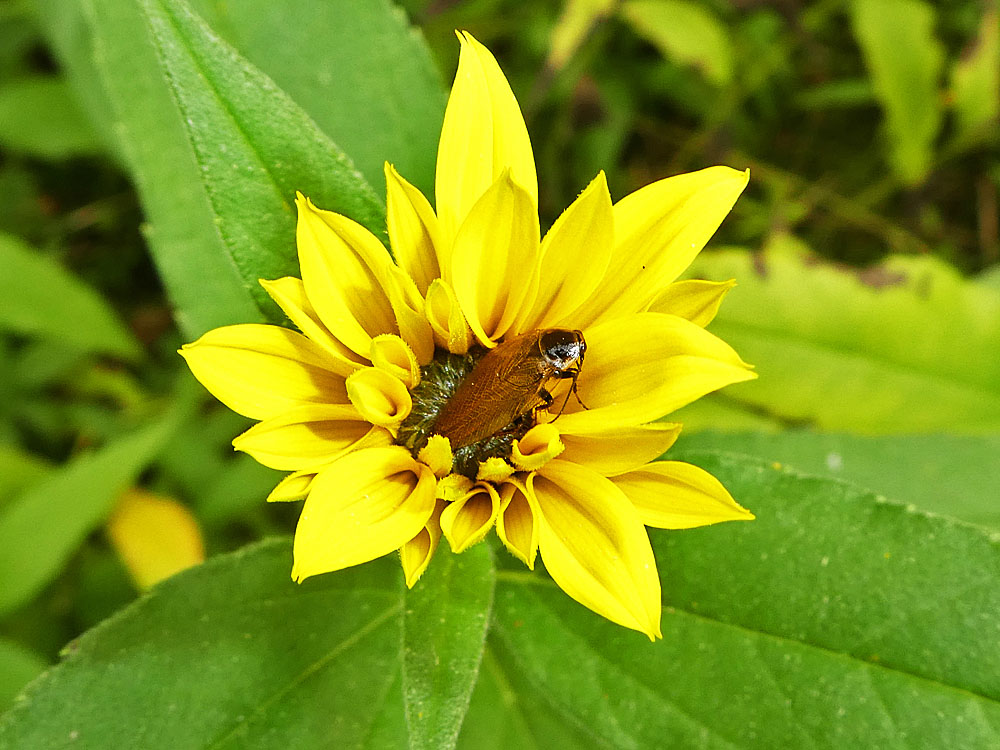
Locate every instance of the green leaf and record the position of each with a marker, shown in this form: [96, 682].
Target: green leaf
[361, 72]
[18, 667]
[40, 298]
[904, 59]
[833, 620]
[444, 629]
[956, 475]
[18, 469]
[907, 346]
[975, 80]
[686, 32]
[232, 654]
[42, 526]
[255, 147]
[38, 116]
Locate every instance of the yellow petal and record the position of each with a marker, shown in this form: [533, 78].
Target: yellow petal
[693, 299]
[446, 318]
[483, 134]
[260, 371]
[659, 229]
[517, 522]
[154, 536]
[467, 520]
[495, 256]
[453, 487]
[344, 269]
[643, 366]
[293, 487]
[309, 436]
[539, 446]
[574, 257]
[493, 469]
[676, 495]
[416, 554]
[290, 294]
[380, 398]
[393, 355]
[622, 449]
[595, 546]
[361, 507]
[413, 230]
[437, 455]
[408, 307]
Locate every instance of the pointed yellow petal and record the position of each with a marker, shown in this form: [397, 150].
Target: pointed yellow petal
[260, 371]
[154, 536]
[447, 320]
[574, 257]
[290, 294]
[466, 521]
[495, 256]
[413, 230]
[380, 398]
[517, 522]
[344, 269]
[483, 134]
[643, 366]
[595, 546]
[361, 507]
[693, 299]
[659, 229]
[391, 353]
[416, 554]
[293, 487]
[622, 449]
[309, 436]
[676, 495]
[408, 307]
[539, 446]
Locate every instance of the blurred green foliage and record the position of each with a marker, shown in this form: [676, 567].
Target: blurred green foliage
[870, 129]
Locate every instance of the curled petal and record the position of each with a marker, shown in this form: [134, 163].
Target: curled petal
[391, 354]
[413, 230]
[539, 446]
[659, 229]
[446, 318]
[495, 257]
[361, 507]
[309, 436]
[595, 547]
[620, 450]
[260, 371]
[467, 520]
[290, 295]
[493, 469]
[416, 554]
[696, 300]
[453, 487]
[483, 134]
[380, 398]
[437, 455]
[517, 522]
[676, 495]
[643, 366]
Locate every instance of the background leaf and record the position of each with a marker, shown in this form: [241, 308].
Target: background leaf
[38, 115]
[904, 59]
[975, 80]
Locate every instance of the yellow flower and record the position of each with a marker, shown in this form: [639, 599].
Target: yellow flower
[489, 378]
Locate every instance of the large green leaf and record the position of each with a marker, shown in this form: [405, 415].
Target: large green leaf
[41, 298]
[904, 59]
[18, 666]
[444, 628]
[909, 346]
[833, 620]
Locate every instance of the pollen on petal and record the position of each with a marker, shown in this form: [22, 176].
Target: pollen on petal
[382, 399]
[539, 446]
[494, 469]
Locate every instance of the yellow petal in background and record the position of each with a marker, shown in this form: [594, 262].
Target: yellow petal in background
[416, 554]
[641, 367]
[696, 300]
[261, 371]
[517, 522]
[467, 520]
[659, 229]
[413, 230]
[483, 134]
[446, 318]
[494, 263]
[309, 436]
[622, 449]
[676, 495]
[380, 398]
[154, 536]
[595, 547]
[363, 506]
